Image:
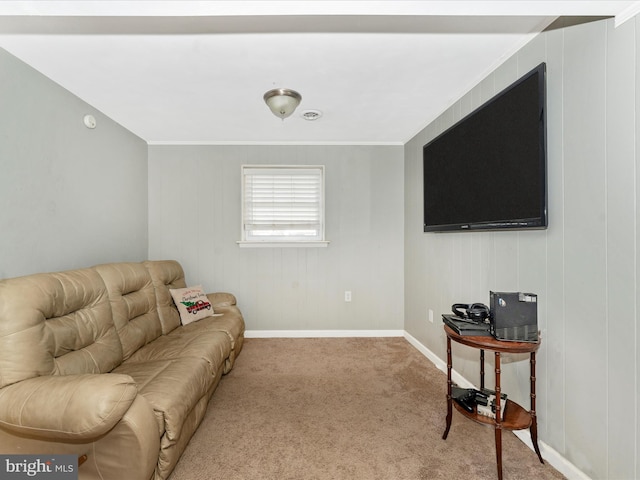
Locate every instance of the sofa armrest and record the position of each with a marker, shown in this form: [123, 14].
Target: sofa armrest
[221, 299]
[66, 406]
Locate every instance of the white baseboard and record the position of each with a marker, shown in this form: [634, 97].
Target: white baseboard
[553, 457]
[550, 455]
[321, 333]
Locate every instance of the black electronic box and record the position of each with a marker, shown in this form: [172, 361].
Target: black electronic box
[514, 316]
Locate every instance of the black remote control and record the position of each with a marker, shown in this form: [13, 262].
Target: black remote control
[464, 404]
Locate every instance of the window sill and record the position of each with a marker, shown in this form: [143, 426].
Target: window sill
[294, 244]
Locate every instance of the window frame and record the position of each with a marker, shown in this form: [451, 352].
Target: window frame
[281, 240]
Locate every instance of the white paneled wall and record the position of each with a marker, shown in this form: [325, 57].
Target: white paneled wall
[194, 217]
[584, 267]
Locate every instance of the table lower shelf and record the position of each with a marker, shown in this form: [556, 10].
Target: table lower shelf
[515, 417]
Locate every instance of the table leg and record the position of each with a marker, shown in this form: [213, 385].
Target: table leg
[449, 400]
[498, 422]
[534, 421]
[481, 368]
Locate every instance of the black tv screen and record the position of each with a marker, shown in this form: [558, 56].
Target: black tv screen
[488, 171]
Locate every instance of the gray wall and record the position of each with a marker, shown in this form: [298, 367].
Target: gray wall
[69, 196]
[584, 267]
[194, 217]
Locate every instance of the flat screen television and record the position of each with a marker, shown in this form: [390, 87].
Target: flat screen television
[489, 170]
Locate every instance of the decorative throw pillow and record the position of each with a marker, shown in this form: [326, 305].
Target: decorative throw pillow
[192, 303]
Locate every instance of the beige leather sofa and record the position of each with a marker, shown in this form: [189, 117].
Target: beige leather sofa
[96, 362]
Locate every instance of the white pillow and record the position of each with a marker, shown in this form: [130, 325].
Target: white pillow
[192, 303]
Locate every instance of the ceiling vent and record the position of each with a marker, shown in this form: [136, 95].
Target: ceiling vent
[311, 114]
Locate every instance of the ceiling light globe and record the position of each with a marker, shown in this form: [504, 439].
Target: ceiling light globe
[282, 101]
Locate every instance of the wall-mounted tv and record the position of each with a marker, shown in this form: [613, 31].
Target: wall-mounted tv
[489, 170]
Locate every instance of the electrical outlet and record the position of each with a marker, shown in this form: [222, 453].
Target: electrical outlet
[431, 315]
[347, 295]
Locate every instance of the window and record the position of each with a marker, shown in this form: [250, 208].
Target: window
[282, 205]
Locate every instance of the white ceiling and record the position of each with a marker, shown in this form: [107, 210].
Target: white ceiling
[195, 71]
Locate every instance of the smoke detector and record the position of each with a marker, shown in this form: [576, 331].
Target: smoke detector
[89, 121]
[311, 114]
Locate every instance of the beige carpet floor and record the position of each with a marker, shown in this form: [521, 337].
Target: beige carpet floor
[342, 408]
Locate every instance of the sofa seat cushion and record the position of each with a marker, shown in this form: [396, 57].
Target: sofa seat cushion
[172, 388]
[230, 322]
[212, 346]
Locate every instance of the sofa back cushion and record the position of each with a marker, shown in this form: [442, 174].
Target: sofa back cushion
[133, 303]
[166, 274]
[56, 324]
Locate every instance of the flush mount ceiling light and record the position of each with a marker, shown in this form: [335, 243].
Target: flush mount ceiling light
[282, 101]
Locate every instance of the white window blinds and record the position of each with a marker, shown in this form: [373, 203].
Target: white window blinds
[283, 203]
